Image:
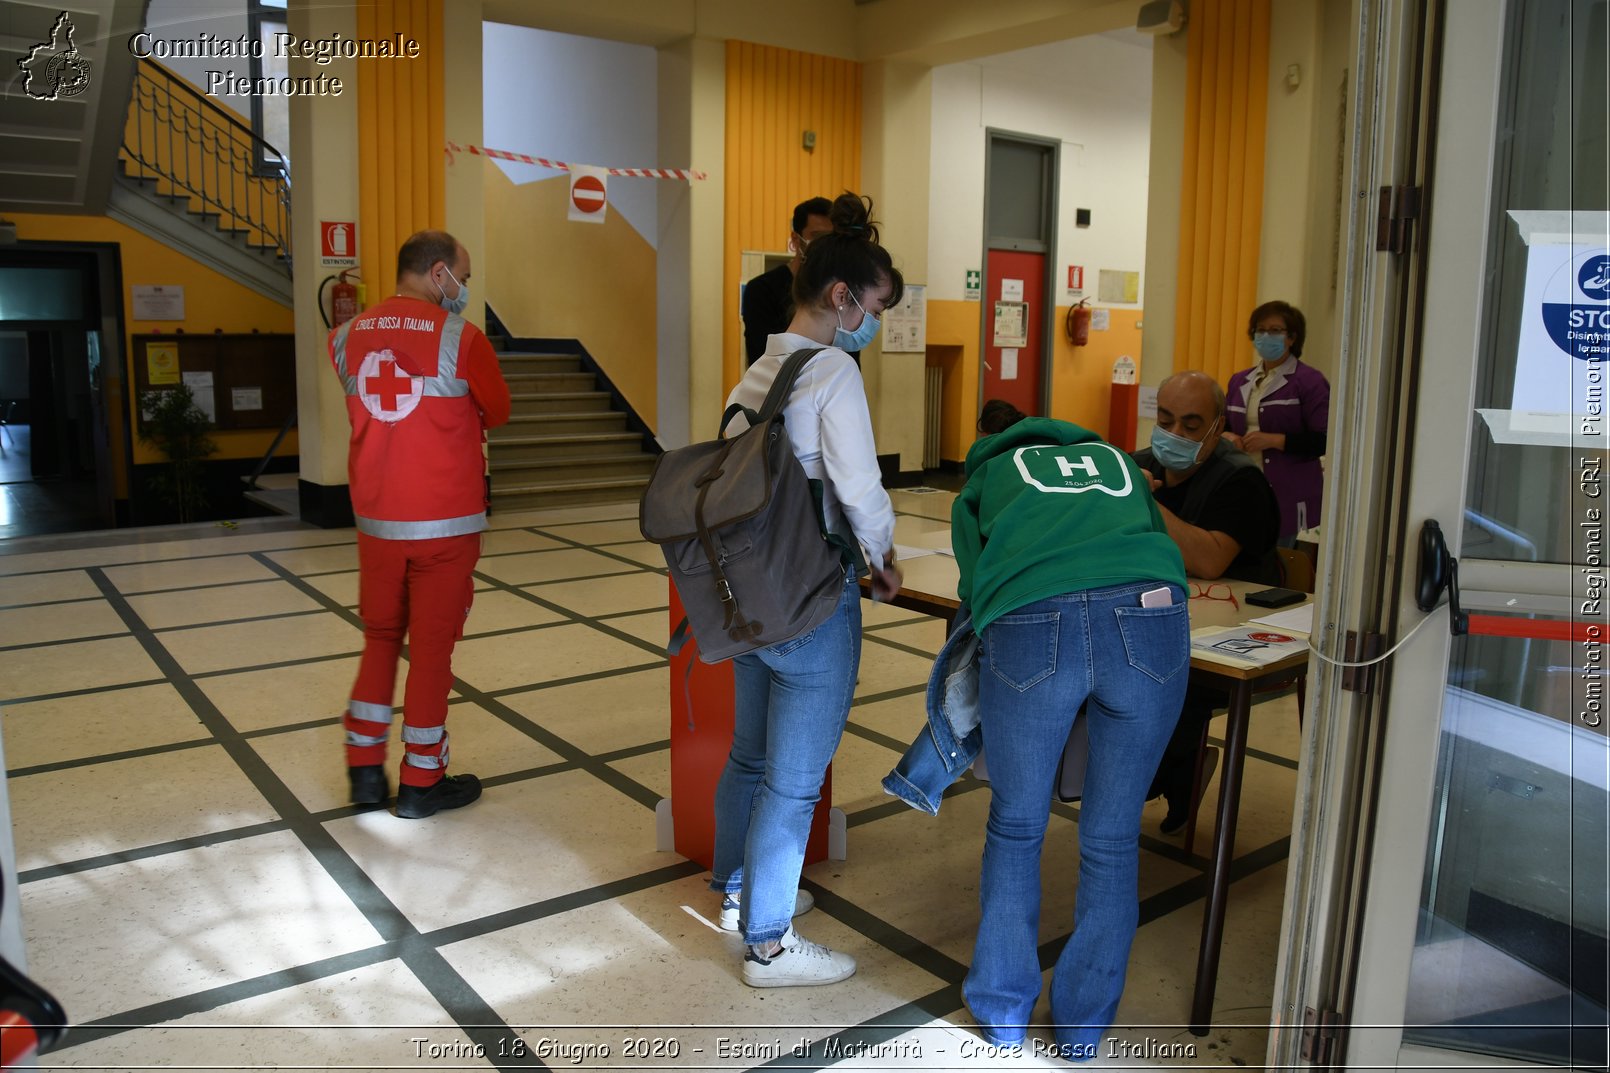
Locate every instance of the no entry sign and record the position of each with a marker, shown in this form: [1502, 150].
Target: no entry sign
[589, 195]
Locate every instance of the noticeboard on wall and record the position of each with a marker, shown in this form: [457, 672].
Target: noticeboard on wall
[241, 381]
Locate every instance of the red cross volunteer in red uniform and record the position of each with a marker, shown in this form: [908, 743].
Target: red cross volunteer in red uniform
[422, 388]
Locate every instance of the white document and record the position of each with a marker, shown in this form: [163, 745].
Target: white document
[158, 301]
[200, 385]
[1100, 320]
[1254, 644]
[1009, 364]
[902, 552]
[1011, 290]
[1146, 404]
[246, 398]
[905, 327]
[1293, 620]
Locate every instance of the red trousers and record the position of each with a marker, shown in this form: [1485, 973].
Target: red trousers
[421, 589]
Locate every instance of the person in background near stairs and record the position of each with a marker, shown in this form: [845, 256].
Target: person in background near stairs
[423, 385]
[791, 700]
[768, 303]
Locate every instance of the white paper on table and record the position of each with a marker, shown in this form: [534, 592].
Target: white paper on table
[906, 551]
[1295, 620]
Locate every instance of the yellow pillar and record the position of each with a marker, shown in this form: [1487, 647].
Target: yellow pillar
[1221, 203]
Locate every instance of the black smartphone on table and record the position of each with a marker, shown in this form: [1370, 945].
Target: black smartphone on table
[1275, 597]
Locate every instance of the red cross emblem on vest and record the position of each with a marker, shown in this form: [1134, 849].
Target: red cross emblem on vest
[386, 391]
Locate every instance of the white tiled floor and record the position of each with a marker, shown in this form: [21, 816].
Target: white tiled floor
[193, 882]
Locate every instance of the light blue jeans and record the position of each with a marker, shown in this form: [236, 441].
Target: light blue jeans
[792, 701]
[1039, 664]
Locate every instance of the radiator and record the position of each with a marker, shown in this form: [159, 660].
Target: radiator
[933, 404]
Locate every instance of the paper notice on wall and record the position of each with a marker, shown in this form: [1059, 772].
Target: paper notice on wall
[1100, 320]
[1114, 286]
[1011, 324]
[905, 327]
[1011, 290]
[1123, 370]
[1009, 364]
[200, 385]
[1146, 405]
[246, 398]
[158, 302]
[161, 363]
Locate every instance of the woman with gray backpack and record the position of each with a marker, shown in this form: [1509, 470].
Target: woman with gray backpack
[793, 698]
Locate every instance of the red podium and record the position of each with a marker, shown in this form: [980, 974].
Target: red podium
[701, 737]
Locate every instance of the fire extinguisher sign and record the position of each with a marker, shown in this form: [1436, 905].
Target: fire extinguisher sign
[338, 244]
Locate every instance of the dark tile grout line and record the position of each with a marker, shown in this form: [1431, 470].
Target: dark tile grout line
[440, 979]
[490, 703]
[288, 550]
[340, 964]
[948, 995]
[86, 691]
[233, 834]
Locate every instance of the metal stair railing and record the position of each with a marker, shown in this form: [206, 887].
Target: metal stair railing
[194, 150]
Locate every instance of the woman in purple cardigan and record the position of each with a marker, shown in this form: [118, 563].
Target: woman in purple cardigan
[1277, 412]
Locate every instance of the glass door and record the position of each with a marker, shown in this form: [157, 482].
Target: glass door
[1482, 939]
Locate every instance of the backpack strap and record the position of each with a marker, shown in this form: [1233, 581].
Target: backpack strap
[777, 396]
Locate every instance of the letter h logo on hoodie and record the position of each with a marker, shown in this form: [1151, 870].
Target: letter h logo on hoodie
[1075, 468]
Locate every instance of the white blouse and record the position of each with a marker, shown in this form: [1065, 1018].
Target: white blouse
[830, 428]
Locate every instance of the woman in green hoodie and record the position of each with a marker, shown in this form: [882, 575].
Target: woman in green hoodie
[1077, 595]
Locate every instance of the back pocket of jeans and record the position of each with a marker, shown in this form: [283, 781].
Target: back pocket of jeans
[1157, 640]
[1022, 649]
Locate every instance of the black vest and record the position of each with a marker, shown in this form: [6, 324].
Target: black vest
[1200, 489]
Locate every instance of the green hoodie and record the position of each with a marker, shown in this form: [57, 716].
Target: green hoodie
[1050, 508]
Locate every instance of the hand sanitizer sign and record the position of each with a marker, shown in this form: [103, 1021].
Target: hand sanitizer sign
[1565, 323]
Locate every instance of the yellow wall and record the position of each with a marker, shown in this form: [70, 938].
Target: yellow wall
[774, 95]
[953, 346]
[402, 135]
[1081, 381]
[1081, 378]
[547, 277]
[1221, 200]
[212, 302]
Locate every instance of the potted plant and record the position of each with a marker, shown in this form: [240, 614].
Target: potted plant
[178, 427]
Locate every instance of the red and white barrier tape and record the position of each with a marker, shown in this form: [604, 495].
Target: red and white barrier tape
[684, 174]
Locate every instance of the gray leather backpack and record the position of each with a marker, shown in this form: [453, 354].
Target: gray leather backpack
[742, 534]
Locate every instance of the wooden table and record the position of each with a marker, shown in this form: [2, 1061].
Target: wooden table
[929, 587]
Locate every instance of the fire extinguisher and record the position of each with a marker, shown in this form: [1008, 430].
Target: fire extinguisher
[343, 301]
[1077, 323]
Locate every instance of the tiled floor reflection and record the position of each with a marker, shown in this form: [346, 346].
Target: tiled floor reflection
[197, 892]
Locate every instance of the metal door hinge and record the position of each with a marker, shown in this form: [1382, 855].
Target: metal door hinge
[1359, 647]
[1322, 1031]
[1398, 207]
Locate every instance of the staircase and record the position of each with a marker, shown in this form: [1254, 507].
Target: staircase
[569, 440]
[194, 177]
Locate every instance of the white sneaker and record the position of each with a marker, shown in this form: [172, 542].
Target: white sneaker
[729, 908]
[800, 963]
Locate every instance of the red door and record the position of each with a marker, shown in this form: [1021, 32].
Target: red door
[1015, 373]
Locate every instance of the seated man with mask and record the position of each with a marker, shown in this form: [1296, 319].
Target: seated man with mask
[1220, 510]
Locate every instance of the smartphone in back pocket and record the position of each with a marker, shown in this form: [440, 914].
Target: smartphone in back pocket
[1275, 597]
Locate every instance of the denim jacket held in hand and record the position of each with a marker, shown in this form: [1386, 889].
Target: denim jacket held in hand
[946, 748]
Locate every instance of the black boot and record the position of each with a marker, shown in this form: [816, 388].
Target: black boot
[453, 791]
[368, 784]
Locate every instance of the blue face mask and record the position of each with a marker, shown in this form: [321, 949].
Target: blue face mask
[1174, 451]
[1269, 345]
[454, 305]
[862, 337]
